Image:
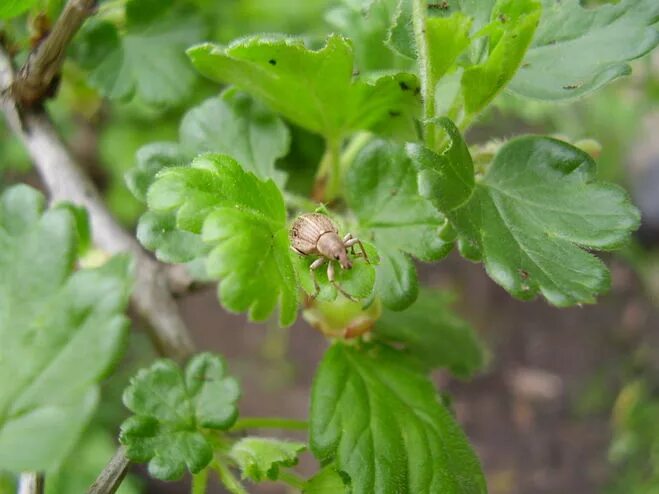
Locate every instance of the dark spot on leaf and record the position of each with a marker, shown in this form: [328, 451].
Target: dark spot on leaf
[417, 90]
[394, 113]
[526, 65]
[572, 86]
[355, 72]
[272, 61]
[404, 86]
[523, 274]
[552, 42]
[514, 36]
[503, 18]
[439, 5]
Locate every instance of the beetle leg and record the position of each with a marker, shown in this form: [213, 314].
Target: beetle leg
[297, 251]
[355, 241]
[312, 269]
[348, 237]
[330, 277]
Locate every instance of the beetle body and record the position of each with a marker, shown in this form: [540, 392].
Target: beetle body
[316, 234]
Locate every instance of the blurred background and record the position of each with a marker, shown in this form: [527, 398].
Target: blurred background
[569, 402]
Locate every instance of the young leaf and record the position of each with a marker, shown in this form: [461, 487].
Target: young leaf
[379, 419]
[260, 458]
[61, 331]
[533, 213]
[431, 332]
[381, 188]
[314, 89]
[147, 59]
[172, 409]
[241, 127]
[510, 32]
[243, 221]
[327, 481]
[577, 50]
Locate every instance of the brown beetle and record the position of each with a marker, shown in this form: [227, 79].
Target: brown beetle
[314, 234]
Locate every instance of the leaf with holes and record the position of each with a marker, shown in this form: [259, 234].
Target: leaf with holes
[61, 331]
[378, 417]
[578, 50]
[173, 410]
[314, 89]
[533, 214]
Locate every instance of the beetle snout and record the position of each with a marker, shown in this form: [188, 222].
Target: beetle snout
[344, 261]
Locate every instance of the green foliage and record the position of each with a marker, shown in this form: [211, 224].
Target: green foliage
[432, 333]
[146, 57]
[61, 331]
[532, 214]
[314, 89]
[376, 414]
[173, 412]
[381, 188]
[261, 458]
[12, 8]
[327, 481]
[243, 220]
[578, 50]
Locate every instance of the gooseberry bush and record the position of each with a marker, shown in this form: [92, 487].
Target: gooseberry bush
[391, 92]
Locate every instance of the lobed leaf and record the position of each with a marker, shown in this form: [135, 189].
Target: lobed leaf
[242, 221]
[261, 458]
[172, 409]
[61, 331]
[379, 419]
[533, 214]
[381, 188]
[578, 50]
[147, 58]
[314, 89]
[429, 331]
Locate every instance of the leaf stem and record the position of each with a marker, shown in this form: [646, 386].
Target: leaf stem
[199, 482]
[229, 480]
[419, 12]
[352, 148]
[291, 479]
[328, 178]
[269, 423]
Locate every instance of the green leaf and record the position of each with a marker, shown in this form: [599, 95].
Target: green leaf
[152, 158]
[533, 214]
[314, 89]
[261, 458]
[381, 188]
[358, 281]
[148, 58]
[243, 221]
[241, 127]
[431, 332]
[172, 410]
[510, 33]
[13, 8]
[367, 23]
[327, 481]
[578, 50]
[61, 331]
[379, 419]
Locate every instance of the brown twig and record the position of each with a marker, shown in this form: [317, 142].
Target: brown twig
[31, 483]
[36, 79]
[112, 475]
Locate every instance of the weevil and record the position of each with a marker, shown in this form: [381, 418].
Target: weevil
[314, 234]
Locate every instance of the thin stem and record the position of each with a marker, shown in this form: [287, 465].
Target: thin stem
[351, 150]
[199, 482]
[328, 178]
[270, 423]
[229, 480]
[112, 475]
[292, 480]
[419, 11]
